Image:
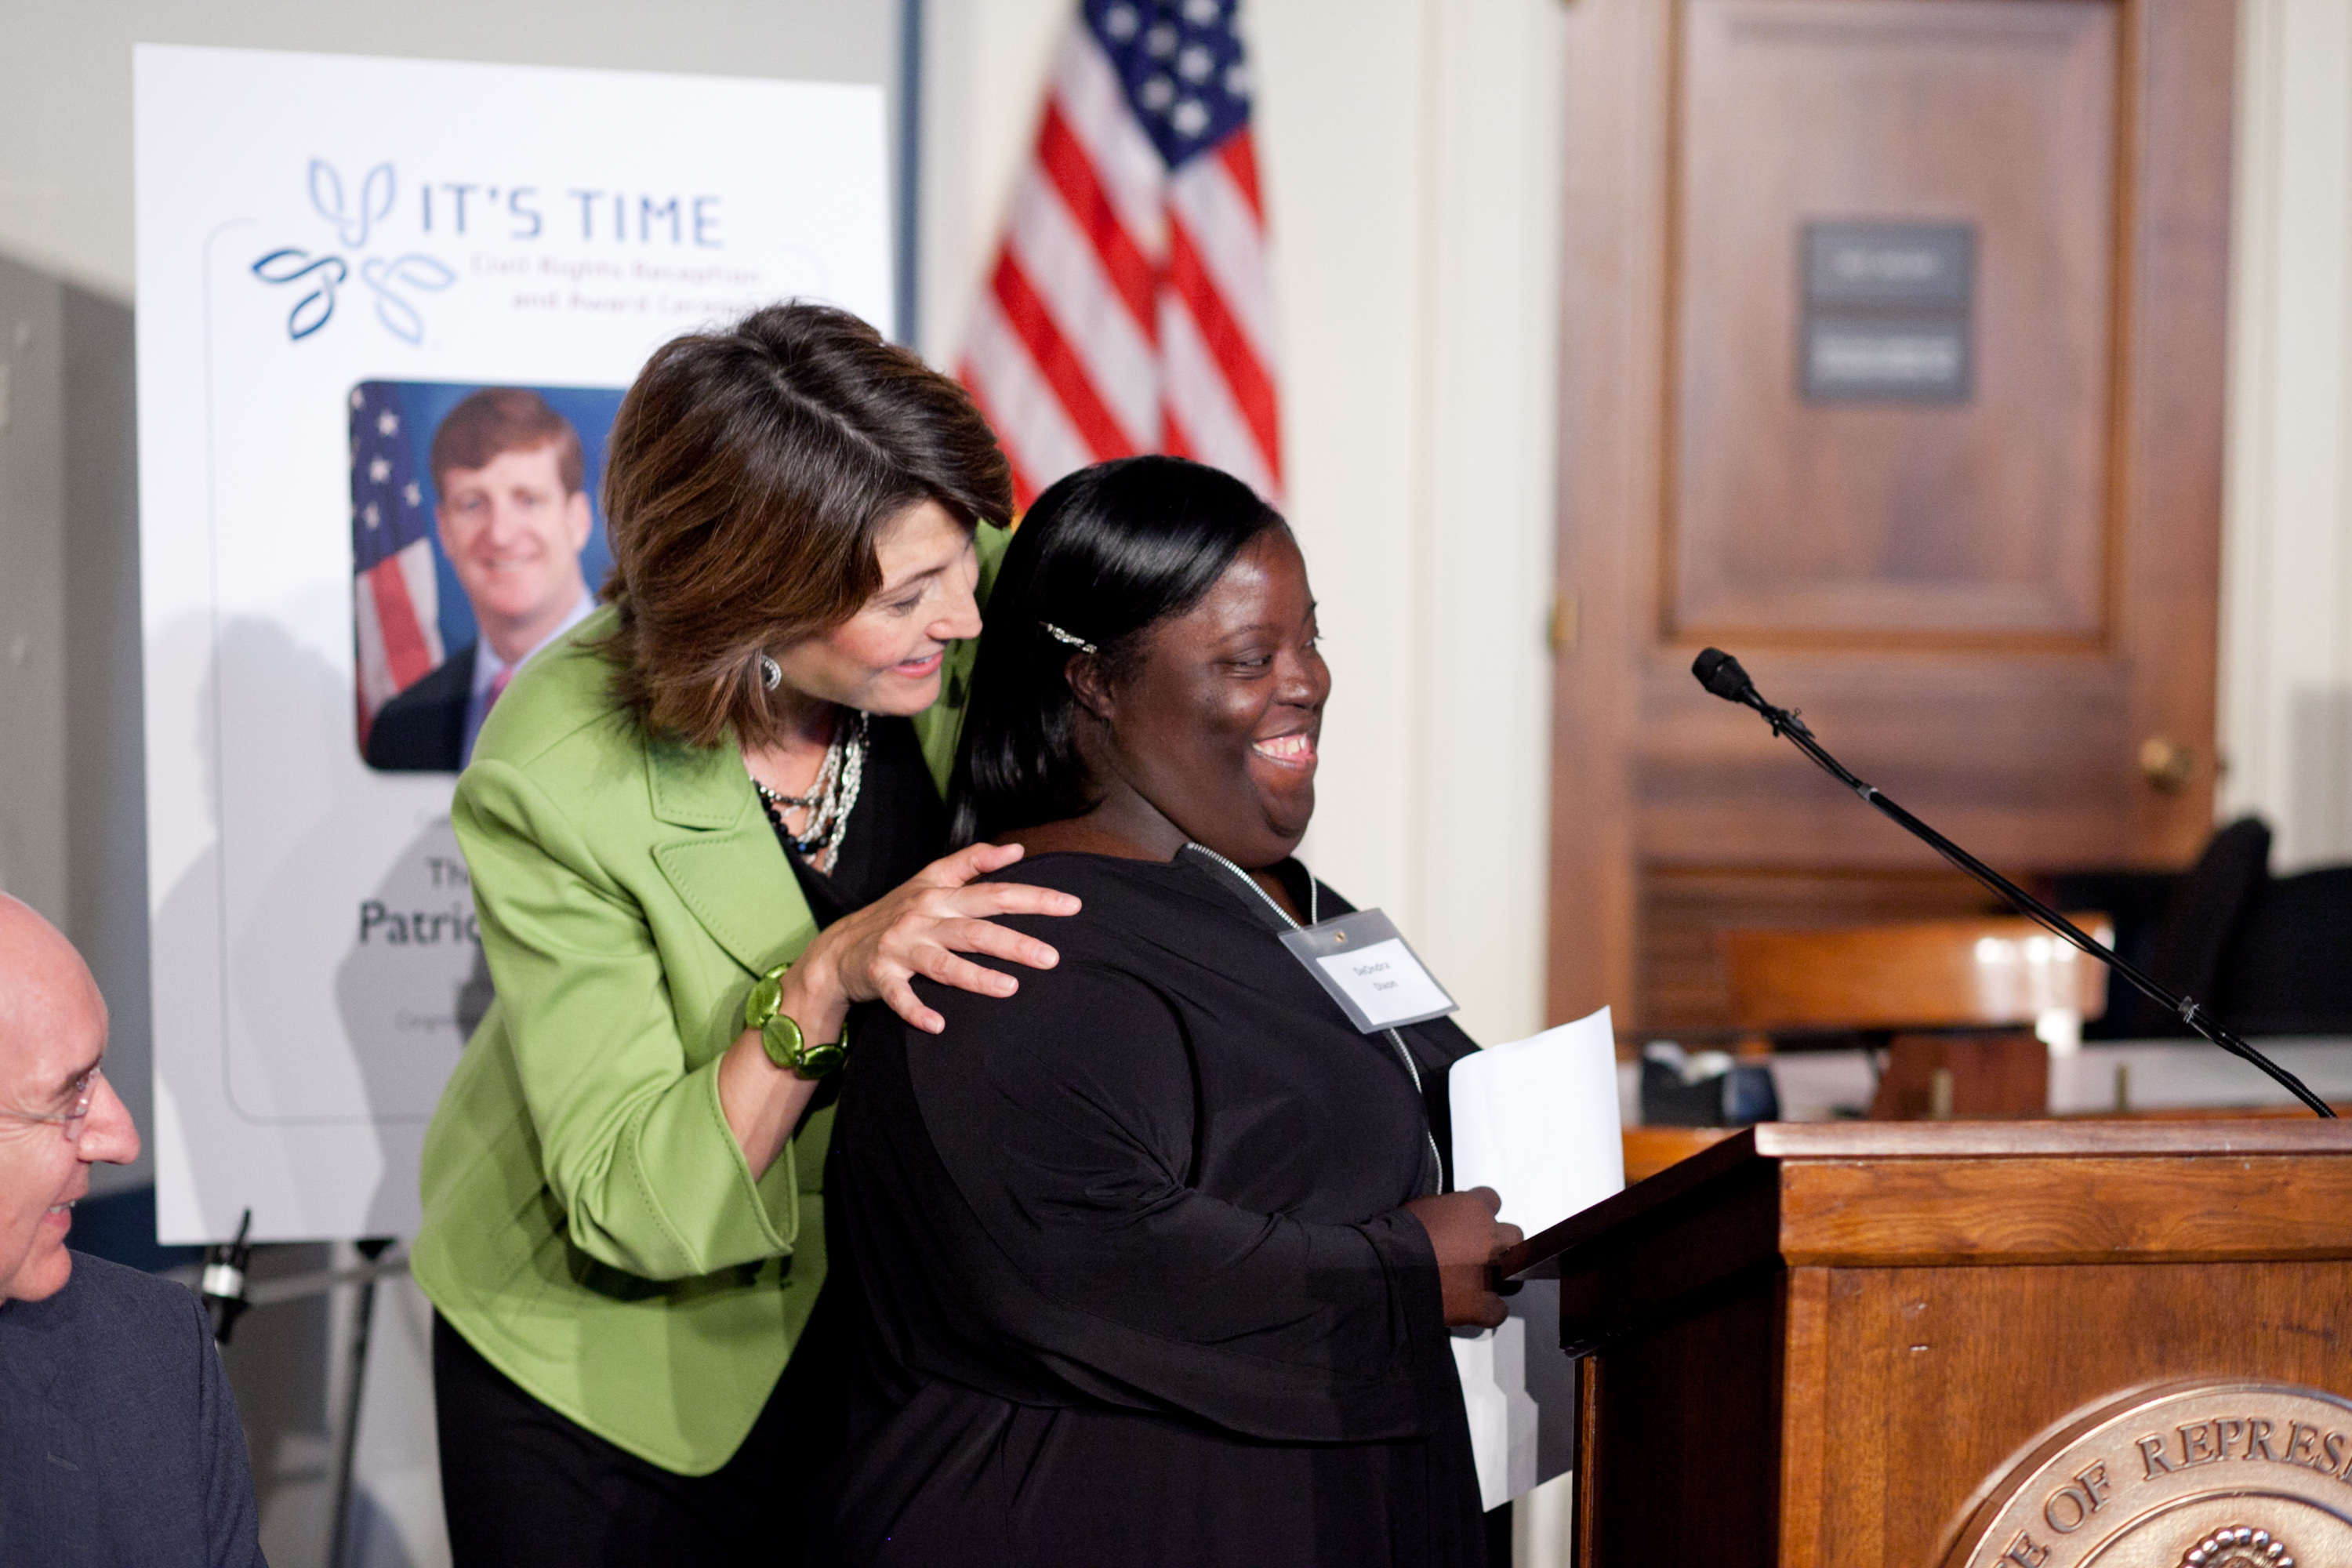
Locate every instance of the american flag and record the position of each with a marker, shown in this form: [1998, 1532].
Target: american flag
[1130, 308]
[395, 601]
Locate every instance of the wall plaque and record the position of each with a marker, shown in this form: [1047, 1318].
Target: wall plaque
[1886, 313]
[2209, 1474]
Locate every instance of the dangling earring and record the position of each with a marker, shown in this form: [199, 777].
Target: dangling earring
[772, 674]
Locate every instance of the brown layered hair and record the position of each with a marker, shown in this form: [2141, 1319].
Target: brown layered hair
[500, 419]
[751, 473]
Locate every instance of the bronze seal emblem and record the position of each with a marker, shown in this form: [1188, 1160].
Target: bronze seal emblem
[2241, 1546]
[2209, 1474]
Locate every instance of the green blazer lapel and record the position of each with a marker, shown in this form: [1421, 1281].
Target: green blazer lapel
[728, 869]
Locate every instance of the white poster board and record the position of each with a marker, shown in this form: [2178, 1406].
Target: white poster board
[329, 247]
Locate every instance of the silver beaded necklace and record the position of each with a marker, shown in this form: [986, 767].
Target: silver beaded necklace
[829, 801]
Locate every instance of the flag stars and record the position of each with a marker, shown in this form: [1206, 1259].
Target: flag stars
[387, 423]
[380, 469]
[1180, 64]
[412, 495]
[371, 514]
[359, 399]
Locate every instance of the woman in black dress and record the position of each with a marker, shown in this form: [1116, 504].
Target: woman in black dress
[1157, 1259]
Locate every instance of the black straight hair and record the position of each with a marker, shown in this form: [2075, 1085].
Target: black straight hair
[1104, 555]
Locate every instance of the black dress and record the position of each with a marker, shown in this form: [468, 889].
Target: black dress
[1138, 1285]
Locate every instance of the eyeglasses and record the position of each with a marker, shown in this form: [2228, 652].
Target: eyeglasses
[84, 1091]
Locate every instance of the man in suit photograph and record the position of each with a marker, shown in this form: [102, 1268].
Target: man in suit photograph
[513, 518]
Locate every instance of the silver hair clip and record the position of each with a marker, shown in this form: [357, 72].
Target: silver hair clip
[1059, 635]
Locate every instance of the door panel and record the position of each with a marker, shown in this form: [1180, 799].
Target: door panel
[1977, 521]
[1988, 587]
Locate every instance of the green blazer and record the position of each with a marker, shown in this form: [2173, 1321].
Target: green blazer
[590, 1224]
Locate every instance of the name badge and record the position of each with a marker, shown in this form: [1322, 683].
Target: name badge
[1366, 966]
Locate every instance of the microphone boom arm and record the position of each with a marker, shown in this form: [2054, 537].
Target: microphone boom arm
[1721, 674]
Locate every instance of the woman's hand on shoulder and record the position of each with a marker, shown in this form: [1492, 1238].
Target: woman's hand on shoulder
[921, 927]
[1467, 1238]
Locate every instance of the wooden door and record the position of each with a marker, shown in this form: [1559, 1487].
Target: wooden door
[1892, 365]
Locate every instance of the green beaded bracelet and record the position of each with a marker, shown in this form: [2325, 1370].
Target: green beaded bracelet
[780, 1037]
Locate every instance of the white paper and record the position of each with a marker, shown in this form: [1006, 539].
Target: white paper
[1536, 1121]
[1388, 983]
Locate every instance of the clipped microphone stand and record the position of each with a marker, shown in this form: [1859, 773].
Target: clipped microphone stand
[1720, 674]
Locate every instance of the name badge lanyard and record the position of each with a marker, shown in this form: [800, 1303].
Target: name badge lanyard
[1355, 1013]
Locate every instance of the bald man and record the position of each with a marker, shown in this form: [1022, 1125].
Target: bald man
[119, 1438]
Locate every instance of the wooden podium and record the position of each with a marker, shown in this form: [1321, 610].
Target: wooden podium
[1998, 1345]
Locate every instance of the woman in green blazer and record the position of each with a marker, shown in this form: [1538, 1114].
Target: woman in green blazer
[700, 827]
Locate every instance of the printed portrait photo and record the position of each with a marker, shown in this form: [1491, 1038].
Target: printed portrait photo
[475, 541]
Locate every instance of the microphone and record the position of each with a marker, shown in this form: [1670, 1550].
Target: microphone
[1720, 674]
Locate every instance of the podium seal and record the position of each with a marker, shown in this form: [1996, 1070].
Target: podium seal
[2206, 1474]
[2239, 1548]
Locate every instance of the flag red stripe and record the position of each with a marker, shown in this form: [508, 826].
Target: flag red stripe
[404, 653]
[1239, 156]
[1024, 489]
[1173, 440]
[1073, 175]
[1061, 367]
[1251, 388]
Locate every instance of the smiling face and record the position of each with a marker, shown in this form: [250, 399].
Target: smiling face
[52, 1034]
[514, 535]
[1216, 723]
[886, 658]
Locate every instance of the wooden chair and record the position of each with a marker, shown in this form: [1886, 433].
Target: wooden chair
[1962, 977]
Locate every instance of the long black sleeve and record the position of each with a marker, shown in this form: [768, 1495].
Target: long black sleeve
[1066, 1122]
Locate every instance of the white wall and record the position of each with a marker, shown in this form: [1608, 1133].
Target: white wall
[34, 780]
[2286, 645]
[65, 79]
[984, 64]
[1408, 150]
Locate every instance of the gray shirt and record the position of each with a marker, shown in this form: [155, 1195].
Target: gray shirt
[119, 1438]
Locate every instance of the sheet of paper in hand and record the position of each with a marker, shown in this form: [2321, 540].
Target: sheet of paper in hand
[1364, 963]
[1536, 1119]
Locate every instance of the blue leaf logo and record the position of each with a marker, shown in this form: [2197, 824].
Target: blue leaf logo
[352, 225]
[394, 280]
[313, 310]
[399, 316]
